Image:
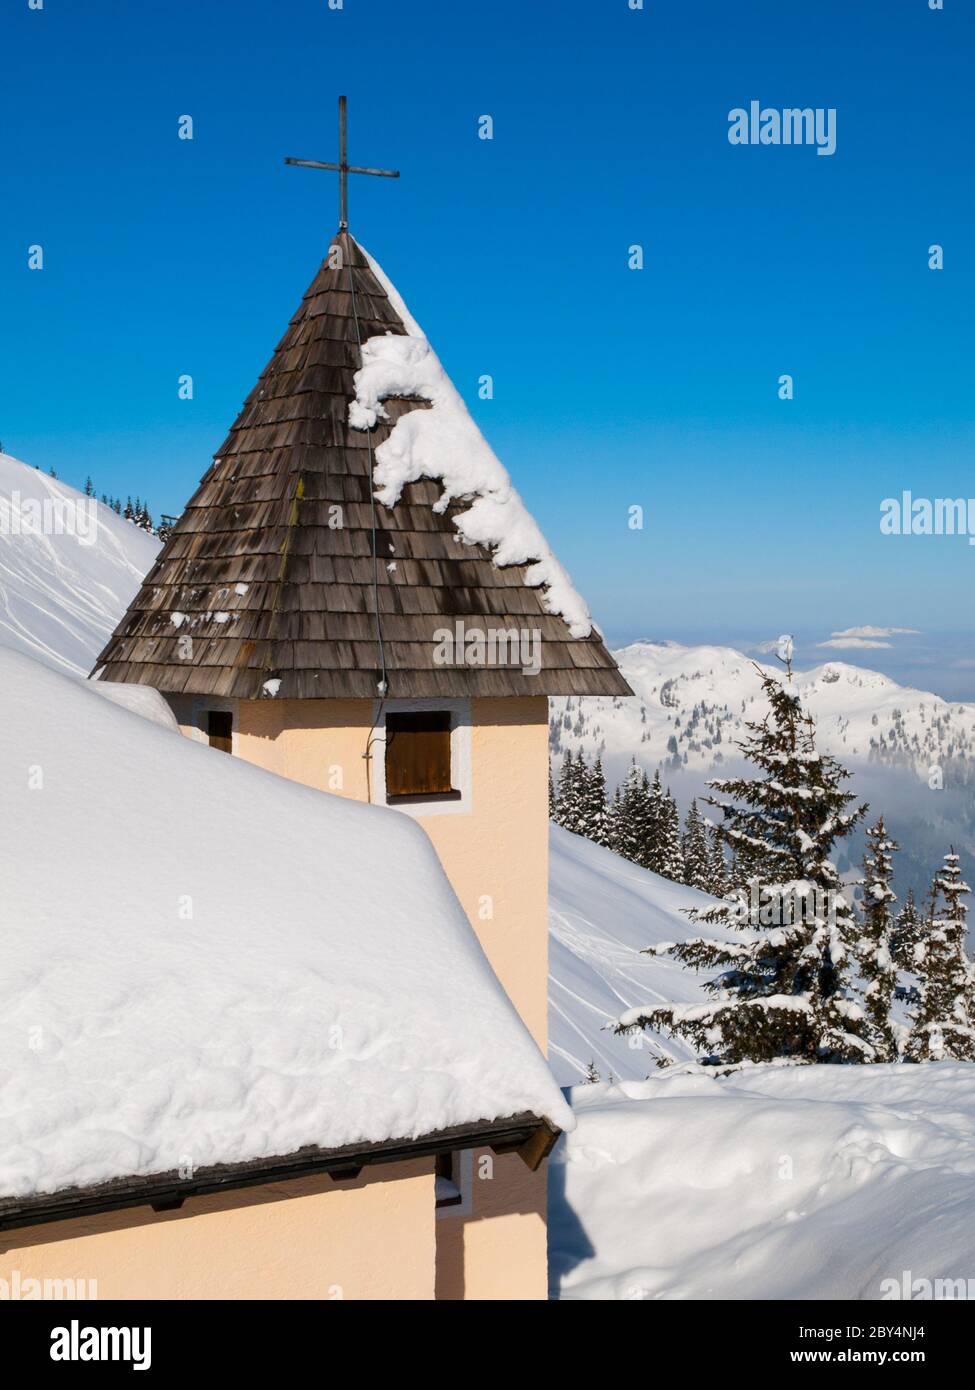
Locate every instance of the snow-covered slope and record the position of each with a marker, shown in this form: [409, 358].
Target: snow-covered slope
[203, 963]
[692, 704]
[603, 912]
[802, 1182]
[62, 594]
[818, 1182]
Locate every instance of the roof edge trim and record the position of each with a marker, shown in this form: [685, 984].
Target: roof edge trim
[525, 1134]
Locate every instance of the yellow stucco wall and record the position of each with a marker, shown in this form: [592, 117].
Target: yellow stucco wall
[499, 1249]
[495, 853]
[310, 1238]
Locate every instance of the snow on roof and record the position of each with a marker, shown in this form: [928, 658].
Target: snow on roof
[204, 963]
[444, 443]
[68, 567]
[140, 699]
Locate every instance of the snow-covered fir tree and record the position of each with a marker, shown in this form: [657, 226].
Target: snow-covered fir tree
[748, 863]
[942, 1025]
[717, 867]
[907, 932]
[651, 822]
[595, 813]
[697, 851]
[874, 948]
[569, 798]
[669, 852]
[615, 827]
[561, 786]
[783, 990]
[630, 817]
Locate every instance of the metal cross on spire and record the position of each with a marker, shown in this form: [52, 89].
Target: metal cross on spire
[344, 169]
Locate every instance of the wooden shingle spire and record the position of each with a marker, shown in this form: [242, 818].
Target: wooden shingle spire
[285, 576]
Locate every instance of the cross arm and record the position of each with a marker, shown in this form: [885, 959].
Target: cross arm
[347, 168]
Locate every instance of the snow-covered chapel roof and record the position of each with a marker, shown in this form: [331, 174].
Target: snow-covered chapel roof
[354, 481]
[204, 966]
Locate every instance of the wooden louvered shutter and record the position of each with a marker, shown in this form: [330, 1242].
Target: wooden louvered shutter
[418, 754]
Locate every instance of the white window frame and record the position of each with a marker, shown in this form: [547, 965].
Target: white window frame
[460, 756]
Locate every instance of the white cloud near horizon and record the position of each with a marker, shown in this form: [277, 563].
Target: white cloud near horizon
[847, 643]
[873, 632]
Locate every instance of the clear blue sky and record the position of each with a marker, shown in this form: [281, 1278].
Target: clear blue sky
[612, 387]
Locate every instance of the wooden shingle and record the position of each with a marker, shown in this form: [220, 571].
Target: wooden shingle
[286, 513]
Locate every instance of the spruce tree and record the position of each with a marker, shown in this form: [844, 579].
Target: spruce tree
[573, 793]
[582, 776]
[907, 933]
[697, 851]
[652, 824]
[717, 869]
[782, 990]
[874, 949]
[568, 807]
[942, 1025]
[648, 822]
[552, 806]
[631, 818]
[89, 487]
[615, 826]
[670, 854]
[597, 817]
[579, 793]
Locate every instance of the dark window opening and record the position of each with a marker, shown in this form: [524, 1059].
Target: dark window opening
[418, 756]
[447, 1185]
[220, 729]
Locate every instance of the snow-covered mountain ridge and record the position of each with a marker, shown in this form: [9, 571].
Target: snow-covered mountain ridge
[911, 754]
[692, 704]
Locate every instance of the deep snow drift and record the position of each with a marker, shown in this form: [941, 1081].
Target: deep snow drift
[62, 593]
[205, 963]
[774, 1183]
